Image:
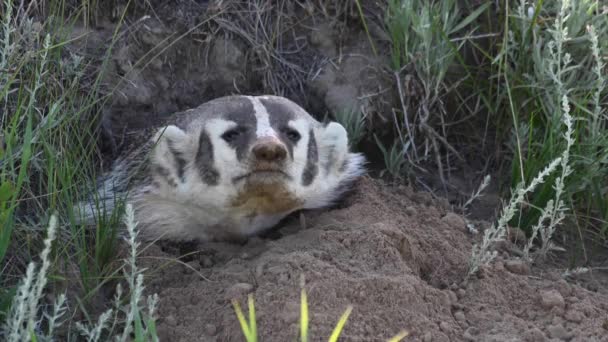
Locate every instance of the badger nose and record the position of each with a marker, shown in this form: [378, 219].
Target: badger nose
[269, 150]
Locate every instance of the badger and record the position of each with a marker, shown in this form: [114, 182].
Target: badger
[232, 168]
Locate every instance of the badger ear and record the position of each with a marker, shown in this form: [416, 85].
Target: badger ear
[333, 147]
[168, 153]
[168, 138]
[337, 165]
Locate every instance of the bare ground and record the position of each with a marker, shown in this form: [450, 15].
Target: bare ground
[396, 256]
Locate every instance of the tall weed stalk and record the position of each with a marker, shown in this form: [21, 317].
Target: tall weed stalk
[49, 108]
[545, 61]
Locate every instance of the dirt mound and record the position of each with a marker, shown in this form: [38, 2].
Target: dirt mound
[393, 254]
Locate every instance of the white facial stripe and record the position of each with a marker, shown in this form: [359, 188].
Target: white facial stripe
[216, 127]
[300, 150]
[300, 125]
[263, 119]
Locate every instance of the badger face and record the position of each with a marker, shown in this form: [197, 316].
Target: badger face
[240, 164]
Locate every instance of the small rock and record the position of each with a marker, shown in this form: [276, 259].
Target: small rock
[470, 334]
[557, 320]
[499, 266]
[592, 287]
[428, 337]
[517, 267]
[453, 297]
[410, 211]
[291, 312]
[564, 288]
[423, 198]
[238, 290]
[552, 299]
[210, 329]
[534, 335]
[455, 221]
[557, 312]
[574, 316]
[171, 320]
[444, 326]
[516, 235]
[572, 300]
[461, 293]
[460, 317]
[557, 331]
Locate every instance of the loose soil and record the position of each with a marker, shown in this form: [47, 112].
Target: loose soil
[397, 255]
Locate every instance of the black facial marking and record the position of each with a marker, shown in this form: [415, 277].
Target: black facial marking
[279, 115]
[155, 184]
[165, 174]
[180, 162]
[204, 160]
[243, 135]
[329, 161]
[344, 166]
[312, 169]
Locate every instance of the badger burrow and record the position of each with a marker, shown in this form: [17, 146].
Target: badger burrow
[230, 169]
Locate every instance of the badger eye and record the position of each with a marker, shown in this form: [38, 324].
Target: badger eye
[231, 135]
[292, 134]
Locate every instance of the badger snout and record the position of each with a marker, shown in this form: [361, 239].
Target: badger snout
[269, 150]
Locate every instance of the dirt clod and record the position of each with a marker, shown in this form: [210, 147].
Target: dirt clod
[558, 331]
[552, 299]
[461, 293]
[210, 329]
[516, 235]
[517, 267]
[453, 297]
[170, 320]
[534, 335]
[456, 221]
[471, 334]
[460, 317]
[238, 290]
[574, 316]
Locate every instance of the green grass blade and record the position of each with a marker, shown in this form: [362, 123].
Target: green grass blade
[470, 17]
[151, 326]
[399, 336]
[369, 37]
[243, 321]
[139, 329]
[340, 326]
[304, 316]
[253, 330]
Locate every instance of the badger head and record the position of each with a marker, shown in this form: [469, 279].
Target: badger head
[238, 164]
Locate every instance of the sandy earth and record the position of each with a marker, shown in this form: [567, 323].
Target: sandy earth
[397, 256]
